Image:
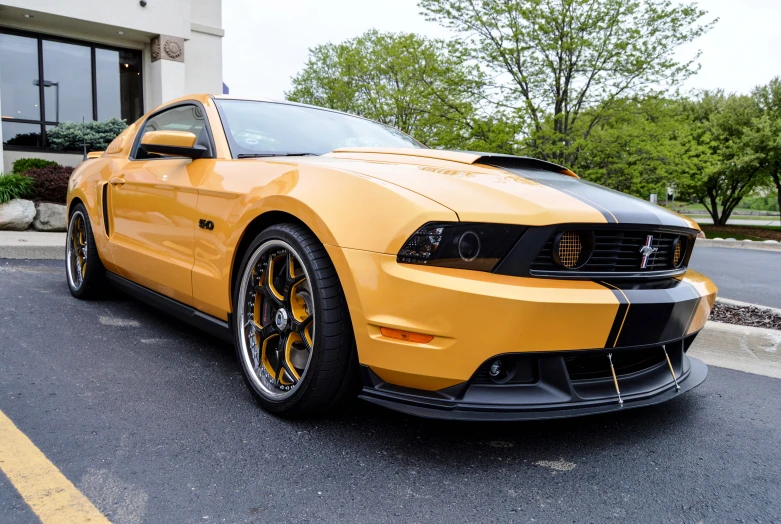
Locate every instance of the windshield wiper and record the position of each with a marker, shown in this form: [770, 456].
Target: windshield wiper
[264, 155]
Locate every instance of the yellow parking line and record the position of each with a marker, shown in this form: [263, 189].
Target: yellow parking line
[51, 496]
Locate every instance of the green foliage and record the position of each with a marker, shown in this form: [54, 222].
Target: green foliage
[14, 186]
[70, 136]
[767, 132]
[566, 65]
[426, 88]
[23, 165]
[642, 147]
[760, 203]
[729, 165]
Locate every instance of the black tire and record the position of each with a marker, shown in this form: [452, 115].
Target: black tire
[84, 283]
[330, 376]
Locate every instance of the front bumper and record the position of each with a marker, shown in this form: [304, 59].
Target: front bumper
[555, 389]
[474, 316]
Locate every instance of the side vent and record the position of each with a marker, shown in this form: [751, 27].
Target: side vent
[105, 208]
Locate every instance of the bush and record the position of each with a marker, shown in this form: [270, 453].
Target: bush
[70, 136]
[761, 203]
[25, 164]
[51, 183]
[14, 186]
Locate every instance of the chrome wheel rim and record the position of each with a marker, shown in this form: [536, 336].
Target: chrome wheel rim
[276, 320]
[77, 250]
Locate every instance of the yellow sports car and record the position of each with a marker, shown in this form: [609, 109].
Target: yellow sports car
[343, 257]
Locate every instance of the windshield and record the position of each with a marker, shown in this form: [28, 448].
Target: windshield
[257, 128]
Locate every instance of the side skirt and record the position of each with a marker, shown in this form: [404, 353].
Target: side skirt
[213, 326]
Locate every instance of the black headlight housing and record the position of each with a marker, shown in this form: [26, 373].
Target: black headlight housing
[460, 245]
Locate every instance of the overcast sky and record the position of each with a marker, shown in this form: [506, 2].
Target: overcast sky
[267, 41]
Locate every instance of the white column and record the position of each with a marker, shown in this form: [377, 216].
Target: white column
[166, 82]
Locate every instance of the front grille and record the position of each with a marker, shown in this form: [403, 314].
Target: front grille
[597, 365]
[618, 251]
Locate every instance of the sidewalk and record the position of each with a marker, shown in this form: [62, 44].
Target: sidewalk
[32, 245]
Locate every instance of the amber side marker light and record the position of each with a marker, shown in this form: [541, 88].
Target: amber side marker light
[406, 336]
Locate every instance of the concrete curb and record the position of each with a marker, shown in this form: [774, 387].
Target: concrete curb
[742, 244]
[750, 349]
[32, 245]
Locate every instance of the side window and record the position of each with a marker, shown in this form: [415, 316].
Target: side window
[188, 118]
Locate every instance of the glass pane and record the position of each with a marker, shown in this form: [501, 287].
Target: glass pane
[264, 127]
[26, 135]
[118, 76]
[107, 75]
[19, 77]
[67, 90]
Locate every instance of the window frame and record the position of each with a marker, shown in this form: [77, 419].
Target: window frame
[42, 122]
[142, 128]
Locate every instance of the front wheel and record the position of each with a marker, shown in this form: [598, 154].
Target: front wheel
[83, 267]
[293, 334]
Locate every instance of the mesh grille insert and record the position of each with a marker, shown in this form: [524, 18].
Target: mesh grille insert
[570, 248]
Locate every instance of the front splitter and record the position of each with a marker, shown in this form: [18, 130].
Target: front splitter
[435, 408]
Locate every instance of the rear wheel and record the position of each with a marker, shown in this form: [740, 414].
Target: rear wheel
[83, 267]
[294, 338]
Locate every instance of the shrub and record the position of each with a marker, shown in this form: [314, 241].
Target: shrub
[70, 136]
[51, 183]
[761, 203]
[25, 164]
[14, 186]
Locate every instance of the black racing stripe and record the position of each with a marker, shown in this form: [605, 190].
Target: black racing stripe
[658, 312]
[616, 207]
[618, 322]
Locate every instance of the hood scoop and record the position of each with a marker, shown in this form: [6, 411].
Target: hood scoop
[463, 157]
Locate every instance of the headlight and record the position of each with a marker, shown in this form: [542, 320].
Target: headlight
[459, 245]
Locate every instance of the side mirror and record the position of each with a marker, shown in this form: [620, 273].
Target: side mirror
[172, 143]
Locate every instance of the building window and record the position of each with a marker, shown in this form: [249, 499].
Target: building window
[46, 80]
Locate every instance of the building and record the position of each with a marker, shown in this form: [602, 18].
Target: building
[68, 60]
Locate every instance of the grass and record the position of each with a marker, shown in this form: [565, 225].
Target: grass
[14, 186]
[756, 233]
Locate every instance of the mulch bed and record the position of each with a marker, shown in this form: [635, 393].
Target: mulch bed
[745, 316]
[728, 231]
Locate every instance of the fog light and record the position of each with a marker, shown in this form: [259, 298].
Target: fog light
[496, 368]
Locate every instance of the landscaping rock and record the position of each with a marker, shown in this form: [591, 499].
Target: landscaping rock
[50, 217]
[16, 215]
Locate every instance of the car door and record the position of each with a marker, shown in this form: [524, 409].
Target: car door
[153, 206]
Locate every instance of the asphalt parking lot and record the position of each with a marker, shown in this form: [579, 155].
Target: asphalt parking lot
[152, 422]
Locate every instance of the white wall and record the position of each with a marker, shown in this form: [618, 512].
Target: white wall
[65, 159]
[203, 75]
[169, 17]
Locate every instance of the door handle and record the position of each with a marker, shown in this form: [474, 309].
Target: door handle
[116, 181]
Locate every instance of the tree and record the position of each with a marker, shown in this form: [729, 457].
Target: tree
[768, 130]
[423, 87]
[567, 64]
[644, 146]
[730, 163]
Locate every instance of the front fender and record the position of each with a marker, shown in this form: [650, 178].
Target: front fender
[341, 208]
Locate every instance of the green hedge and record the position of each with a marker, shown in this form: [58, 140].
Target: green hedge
[70, 136]
[25, 164]
[765, 203]
[14, 186]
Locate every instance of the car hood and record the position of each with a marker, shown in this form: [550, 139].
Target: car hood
[481, 187]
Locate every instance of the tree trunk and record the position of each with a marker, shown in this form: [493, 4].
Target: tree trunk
[777, 180]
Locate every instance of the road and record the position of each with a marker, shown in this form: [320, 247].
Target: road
[749, 275]
[152, 422]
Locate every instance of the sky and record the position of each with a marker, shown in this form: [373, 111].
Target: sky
[267, 41]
